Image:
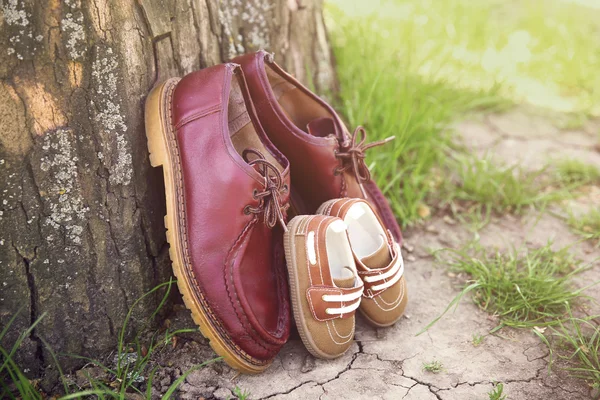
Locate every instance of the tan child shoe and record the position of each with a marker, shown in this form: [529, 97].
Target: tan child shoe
[325, 289]
[378, 260]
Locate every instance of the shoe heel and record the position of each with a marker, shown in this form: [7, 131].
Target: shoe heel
[156, 117]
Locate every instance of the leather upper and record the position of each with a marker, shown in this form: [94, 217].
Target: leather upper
[314, 166]
[237, 261]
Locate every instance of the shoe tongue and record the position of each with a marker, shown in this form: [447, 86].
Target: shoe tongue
[344, 282]
[380, 258]
[321, 127]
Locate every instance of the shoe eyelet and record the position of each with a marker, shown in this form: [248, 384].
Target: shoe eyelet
[247, 210]
[336, 171]
[254, 194]
[285, 188]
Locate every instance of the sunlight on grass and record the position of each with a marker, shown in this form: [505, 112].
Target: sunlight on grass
[574, 172]
[545, 52]
[579, 345]
[586, 225]
[524, 288]
[409, 68]
[495, 187]
[497, 393]
[433, 366]
[382, 91]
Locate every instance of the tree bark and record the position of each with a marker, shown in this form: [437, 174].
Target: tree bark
[81, 220]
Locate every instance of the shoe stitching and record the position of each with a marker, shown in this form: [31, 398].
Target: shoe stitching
[198, 115]
[282, 293]
[397, 302]
[303, 225]
[310, 303]
[317, 231]
[242, 317]
[306, 249]
[174, 148]
[350, 336]
[344, 186]
[339, 334]
[266, 86]
[330, 207]
[339, 211]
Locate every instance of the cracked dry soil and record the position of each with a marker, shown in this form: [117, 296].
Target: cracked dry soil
[388, 363]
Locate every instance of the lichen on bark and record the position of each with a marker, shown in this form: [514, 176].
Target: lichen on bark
[81, 210]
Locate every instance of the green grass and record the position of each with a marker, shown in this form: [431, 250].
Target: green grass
[496, 188]
[410, 68]
[477, 339]
[381, 89]
[497, 392]
[574, 173]
[483, 186]
[241, 394]
[580, 347]
[523, 288]
[10, 371]
[433, 366]
[124, 378]
[586, 225]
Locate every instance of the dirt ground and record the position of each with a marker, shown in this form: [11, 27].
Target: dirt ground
[388, 363]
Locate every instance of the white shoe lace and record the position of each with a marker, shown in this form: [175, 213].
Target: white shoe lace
[395, 272]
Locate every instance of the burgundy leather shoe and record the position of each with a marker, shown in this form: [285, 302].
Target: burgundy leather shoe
[326, 161]
[227, 191]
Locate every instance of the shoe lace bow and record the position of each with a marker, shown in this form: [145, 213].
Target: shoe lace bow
[352, 154]
[270, 198]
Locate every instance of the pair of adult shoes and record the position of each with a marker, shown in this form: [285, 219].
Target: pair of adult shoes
[241, 145]
[338, 261]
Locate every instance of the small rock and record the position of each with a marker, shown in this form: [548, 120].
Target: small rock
[223, 393]
[166, 381]
[292, 360]
[126, 359]
[204, 376]
[449, 220]
[431, 229]
[423, 210]
[408, 247]
[84, 375]
[155, 393]
[134, 396]
[309, 364]
[218, 367]
[540, 330]
[411, 258]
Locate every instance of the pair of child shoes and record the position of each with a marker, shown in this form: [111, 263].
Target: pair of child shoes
[341, 260]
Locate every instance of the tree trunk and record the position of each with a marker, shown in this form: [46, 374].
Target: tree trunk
[81, 220]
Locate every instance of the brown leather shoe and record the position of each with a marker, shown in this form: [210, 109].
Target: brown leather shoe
[227, 195]
[326, 161]
[378, 260]
[325, 289]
